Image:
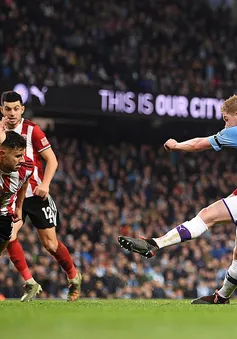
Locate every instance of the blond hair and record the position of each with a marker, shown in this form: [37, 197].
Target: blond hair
[230, 105]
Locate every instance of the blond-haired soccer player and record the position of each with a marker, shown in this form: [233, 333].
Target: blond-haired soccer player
[224, 210]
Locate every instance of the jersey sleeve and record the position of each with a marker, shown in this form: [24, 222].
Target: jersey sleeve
[39, 139]
[225, 138]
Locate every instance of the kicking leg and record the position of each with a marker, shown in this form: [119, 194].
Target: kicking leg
[206, 218]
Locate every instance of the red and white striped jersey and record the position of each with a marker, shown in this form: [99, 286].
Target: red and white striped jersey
[11, 183]
[36, 142]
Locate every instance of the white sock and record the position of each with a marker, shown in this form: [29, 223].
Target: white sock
[188, 230]
[31, 281]
[230, 282]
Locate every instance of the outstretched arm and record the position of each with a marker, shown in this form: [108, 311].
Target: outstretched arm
[225, 138]
[192, 145]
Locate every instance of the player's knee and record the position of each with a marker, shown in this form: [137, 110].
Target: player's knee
[13, 237]
[203, 214]
[51, 246]
[207, 217]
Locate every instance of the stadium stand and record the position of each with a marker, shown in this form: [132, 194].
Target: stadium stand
[103, 191]
[131, 188]
[162, 46]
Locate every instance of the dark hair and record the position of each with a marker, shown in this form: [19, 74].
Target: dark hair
[14, 140]
[10, 96]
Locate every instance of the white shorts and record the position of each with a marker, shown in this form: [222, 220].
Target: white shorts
[231, 205]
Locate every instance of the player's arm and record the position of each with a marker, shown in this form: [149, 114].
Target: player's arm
[19, 202]
[43, 147]
[191, 145]
[50, 168]
[225, 138]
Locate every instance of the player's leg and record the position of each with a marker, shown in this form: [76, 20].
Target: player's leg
[44, 216]
[17, 256]
[3, 245]
[229, 285]
[61, 254]
[230, 281]
[16, 253]
[6, 227]
[221, 211]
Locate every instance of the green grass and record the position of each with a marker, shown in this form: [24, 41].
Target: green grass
[115, 319]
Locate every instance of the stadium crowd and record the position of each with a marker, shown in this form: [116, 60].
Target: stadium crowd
[106, 190]
[177, 47]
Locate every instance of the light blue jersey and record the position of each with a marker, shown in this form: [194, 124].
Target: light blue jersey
[225, 138]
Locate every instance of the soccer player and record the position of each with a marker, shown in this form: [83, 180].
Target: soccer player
[224, 210]
[38, 204]
[15, 170]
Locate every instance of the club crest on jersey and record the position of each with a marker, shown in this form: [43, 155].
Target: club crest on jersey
[44, 141]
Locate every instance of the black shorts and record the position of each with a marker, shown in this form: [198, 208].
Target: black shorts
[6, 226]
[42, 213]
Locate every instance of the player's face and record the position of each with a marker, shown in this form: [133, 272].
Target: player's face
[11, 159]
[13, 111]
[230, 119]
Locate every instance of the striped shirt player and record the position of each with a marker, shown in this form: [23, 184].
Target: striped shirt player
[43, 213]
[38, 204]
[10, 184]
[36, 142]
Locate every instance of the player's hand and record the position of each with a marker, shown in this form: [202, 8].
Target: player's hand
[17, 216]
[170, 145]
[42, 191]
[3, 127]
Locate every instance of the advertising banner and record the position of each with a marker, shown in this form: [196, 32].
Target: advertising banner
[79, 100]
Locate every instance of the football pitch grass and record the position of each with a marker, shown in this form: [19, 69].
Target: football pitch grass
[114, 319]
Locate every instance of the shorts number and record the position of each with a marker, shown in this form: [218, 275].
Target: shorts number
[49, 214]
